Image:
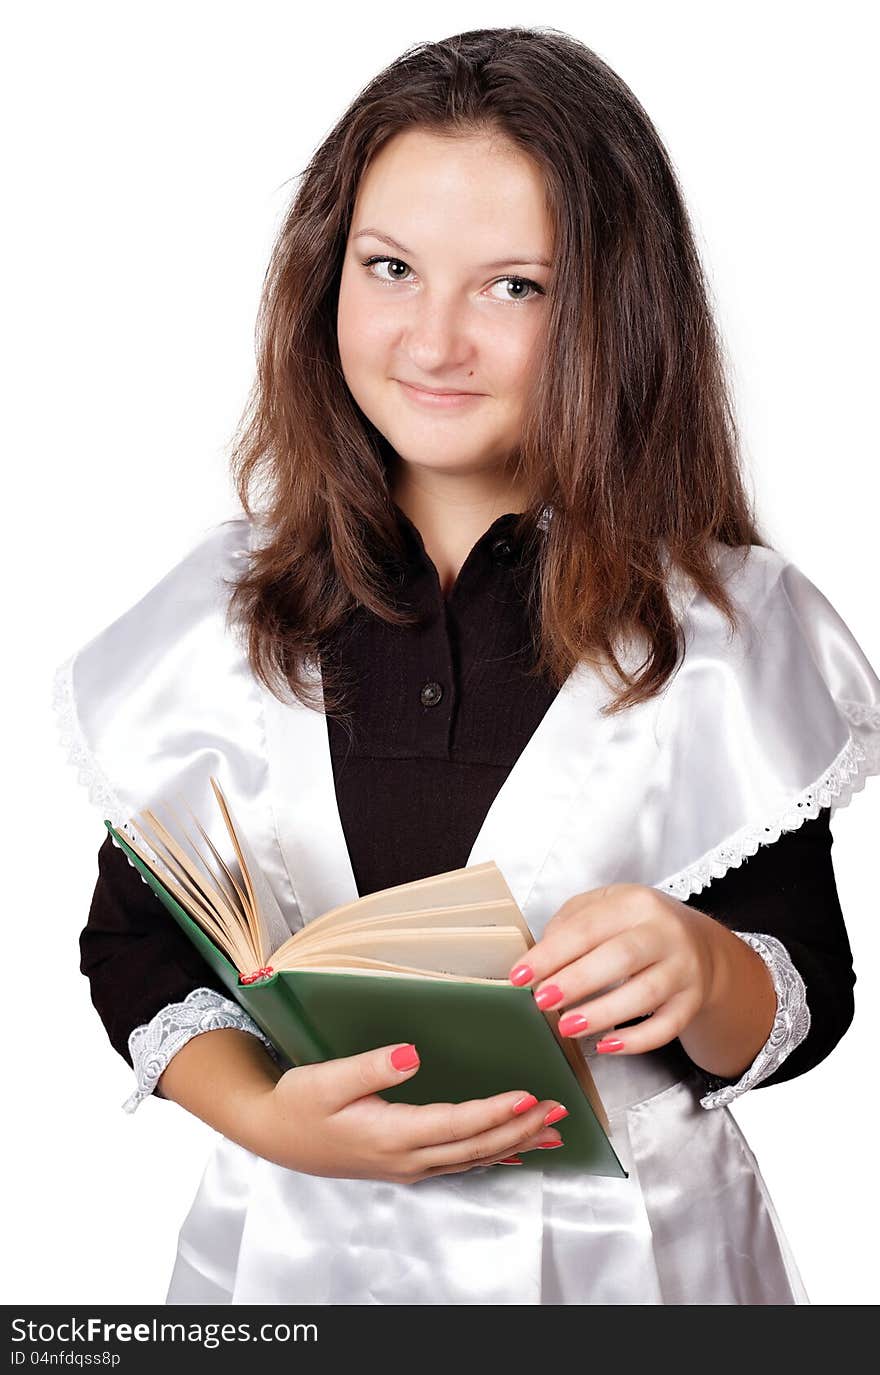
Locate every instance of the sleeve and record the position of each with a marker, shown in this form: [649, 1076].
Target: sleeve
[783, 901]
[148, 983]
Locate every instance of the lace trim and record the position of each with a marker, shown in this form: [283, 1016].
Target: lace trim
[154, 1044]
[89, 772]
[868, 719]
[836, 788]
[790, 1025]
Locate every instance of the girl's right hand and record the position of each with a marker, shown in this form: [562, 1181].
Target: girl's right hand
[328, 1119]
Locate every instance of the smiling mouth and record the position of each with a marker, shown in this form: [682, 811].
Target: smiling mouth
[430, 391]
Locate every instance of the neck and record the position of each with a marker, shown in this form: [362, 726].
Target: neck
[451, 511]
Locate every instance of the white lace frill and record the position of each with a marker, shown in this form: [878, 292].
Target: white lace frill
[77, 752]
[790, 1025]
[153, 1045]
[846, 776]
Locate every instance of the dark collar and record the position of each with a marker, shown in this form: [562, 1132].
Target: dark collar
[500, 540]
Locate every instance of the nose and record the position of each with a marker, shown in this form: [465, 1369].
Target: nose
[436, 335]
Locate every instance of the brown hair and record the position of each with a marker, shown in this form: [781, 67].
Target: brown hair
[630, 435]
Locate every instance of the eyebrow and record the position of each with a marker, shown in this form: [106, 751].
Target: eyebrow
[523, 259]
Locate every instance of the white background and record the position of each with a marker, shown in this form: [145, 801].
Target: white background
[150, 157]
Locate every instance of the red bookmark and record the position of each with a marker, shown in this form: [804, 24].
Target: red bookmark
[260, 974]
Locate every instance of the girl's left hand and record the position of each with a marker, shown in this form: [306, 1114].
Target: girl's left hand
[668, 954]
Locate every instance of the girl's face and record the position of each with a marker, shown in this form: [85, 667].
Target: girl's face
[453, 299]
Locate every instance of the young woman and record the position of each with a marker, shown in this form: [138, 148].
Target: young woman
[503, 598]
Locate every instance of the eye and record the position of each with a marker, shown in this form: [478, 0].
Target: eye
[522, 285]
[396, 262]
[531, 287]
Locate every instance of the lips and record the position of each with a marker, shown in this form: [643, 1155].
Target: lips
[438, 403]
[434, 391]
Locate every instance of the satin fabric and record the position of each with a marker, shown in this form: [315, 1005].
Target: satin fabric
[694, 1223]
[753, 733]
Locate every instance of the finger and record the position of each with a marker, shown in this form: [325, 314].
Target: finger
[539, 1142]
[421, 1126]
[661, 1028]
[339, 1082]
[619, 958]
[491, 1145]
[636, 997]
[593, 918]
[484, 1150]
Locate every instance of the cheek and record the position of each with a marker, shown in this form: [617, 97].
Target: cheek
[363, 332]
[513, 351]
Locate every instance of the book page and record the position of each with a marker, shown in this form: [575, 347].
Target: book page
[271, 928]
[466, 887]
[483, 914]
[481, 952]
[237, 950]
[200, 891]
[345, 964]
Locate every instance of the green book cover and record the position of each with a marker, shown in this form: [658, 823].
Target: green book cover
[474, 1040]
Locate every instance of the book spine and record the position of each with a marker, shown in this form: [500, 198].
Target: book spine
[279, 1013]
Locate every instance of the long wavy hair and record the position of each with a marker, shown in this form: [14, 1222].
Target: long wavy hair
[630, 436]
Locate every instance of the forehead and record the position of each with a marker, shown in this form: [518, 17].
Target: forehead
[420, 184]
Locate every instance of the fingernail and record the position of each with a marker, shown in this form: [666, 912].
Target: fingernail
[548, 996]
[572, 1024]
[405, 1057]
[609, 1045]
[523, 1104]
[521, 975]
[554, 1115]
[509, 1160]
[548, 1145]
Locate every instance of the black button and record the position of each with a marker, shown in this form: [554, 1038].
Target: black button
[430, 694]
[503, 551]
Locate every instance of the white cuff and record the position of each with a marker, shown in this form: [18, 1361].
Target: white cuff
[790, 1026]
[152, 1045]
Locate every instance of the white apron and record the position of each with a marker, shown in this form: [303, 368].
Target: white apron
[752, 735]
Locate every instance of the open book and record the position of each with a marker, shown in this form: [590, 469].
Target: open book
[424, 962]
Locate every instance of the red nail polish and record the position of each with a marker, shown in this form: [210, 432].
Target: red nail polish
[609, 1045]
[555, 1114]
[572, 1024]
[405, 1057]
[548, 996]
[509, 1160]
[548, 1145]
[523, 1104]
[522, 974]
